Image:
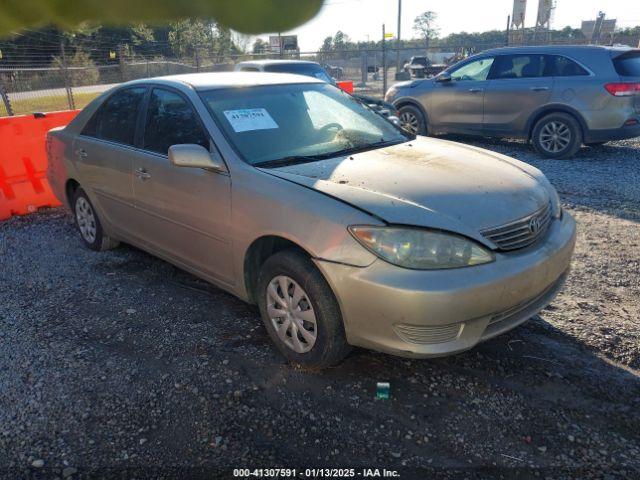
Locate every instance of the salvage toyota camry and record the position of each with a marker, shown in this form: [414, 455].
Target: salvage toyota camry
[343, 229]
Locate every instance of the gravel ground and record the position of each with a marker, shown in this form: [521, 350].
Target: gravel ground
[119, 364]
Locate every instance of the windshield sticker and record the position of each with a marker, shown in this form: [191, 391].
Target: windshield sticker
[249, 119]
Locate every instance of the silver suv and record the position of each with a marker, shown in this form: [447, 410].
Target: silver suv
[558, 97]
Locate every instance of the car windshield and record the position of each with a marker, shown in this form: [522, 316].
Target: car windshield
[297, 122]
[307, 69]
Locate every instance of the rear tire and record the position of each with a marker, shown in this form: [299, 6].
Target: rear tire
[293, 296]
[88, 223]
[557, 135]
[412, 120]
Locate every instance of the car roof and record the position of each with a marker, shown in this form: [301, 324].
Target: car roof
[559, 49]
[277, 62]
[217, 80]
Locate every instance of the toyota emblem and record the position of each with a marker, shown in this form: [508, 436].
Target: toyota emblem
[535, 224]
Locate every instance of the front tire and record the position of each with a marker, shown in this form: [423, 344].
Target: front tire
[88, 223]
[557, 135]
[300, 311]
[412, 120]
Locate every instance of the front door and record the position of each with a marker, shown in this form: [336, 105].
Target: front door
[457, 106]
[518, 86]
[184, 213]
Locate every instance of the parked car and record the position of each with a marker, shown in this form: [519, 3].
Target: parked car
[343, 228]
[299, 67]
[421, 67]
[313, 69]
[334, 71]
[557, 97]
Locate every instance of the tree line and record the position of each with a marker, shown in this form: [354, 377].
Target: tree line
[205, 41]
[194, 39]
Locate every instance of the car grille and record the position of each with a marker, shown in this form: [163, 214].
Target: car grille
[520, 233]
[428, 334]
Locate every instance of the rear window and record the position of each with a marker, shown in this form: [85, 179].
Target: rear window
[116, 119]
[559, 66]
[307, 69]
[628, 64]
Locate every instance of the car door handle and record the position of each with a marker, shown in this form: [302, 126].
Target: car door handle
[539, 89]
[476, 90]
[82, 154]
[142, 174]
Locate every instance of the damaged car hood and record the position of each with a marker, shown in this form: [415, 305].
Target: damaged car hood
[428, 182]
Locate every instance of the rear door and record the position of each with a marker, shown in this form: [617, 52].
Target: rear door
[457, 106]
[103, 156]
[183, 213]
[518, 86]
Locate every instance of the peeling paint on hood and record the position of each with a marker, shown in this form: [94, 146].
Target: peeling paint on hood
[427, 182]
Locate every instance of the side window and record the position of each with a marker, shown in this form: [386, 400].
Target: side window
[116, 118]
[171, 120]
[519, 66]
[477, 70]
[565, 67]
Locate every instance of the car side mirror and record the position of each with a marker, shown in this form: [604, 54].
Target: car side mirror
[195, 156]
[443, 77]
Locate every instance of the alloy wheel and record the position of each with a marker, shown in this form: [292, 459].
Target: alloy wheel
[291, 314]
[86, 220]
[410, 122]
[555, 136]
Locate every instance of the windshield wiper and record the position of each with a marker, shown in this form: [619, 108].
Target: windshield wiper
[297, 159]
[291, 160]
[364, 148]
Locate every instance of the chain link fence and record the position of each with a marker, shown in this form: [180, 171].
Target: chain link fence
[24, 90]
[67, 85]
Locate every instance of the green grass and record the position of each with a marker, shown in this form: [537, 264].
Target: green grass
[47, 104]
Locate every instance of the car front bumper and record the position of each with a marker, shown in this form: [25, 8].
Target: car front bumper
[417, 313]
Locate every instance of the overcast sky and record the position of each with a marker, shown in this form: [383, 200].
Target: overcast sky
[363, 19]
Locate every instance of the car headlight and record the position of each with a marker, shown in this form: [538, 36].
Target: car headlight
[421, 249]
[391, 93]
[556, 207]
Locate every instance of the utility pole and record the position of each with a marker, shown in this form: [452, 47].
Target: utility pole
[384, 63]
[197, 55]
[597, 28]
[508, 29]
[280, 44]
[65, 75]
[5, 100]
[398, 39]
[121, 61]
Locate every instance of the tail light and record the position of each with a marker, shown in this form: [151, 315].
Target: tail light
[625, 89]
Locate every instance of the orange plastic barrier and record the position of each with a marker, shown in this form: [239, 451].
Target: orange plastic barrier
[23, 162]
[346, 85]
